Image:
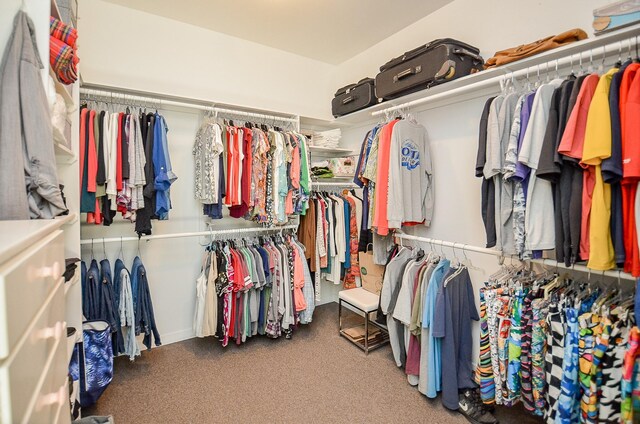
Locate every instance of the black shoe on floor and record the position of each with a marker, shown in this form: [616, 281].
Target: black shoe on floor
[470, 405]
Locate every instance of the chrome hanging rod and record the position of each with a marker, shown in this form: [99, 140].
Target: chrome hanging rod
[228, 232]
[493, 252]
[182, 102]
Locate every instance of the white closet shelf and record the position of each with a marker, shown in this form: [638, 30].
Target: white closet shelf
[20, 234]
[63, 153]
[329, 151]
[487, 82]
[63, 90]
[55, 11]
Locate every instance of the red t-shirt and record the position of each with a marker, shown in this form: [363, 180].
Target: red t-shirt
[630, 164]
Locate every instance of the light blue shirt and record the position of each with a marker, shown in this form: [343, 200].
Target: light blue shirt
[434, 357]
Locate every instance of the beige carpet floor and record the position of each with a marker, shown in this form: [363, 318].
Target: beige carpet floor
[317, 377]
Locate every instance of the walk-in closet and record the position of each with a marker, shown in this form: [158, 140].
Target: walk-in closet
[330, 211]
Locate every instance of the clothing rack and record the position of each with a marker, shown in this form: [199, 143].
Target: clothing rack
[231, 232]
[493, 252]
[158, 100]
[606, 45]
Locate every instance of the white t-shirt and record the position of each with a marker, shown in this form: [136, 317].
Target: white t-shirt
[539, 220]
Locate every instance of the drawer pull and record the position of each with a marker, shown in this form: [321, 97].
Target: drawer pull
[49, 271]
[54, 332]
[56, 398]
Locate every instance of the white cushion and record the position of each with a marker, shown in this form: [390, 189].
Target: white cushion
[360, 298]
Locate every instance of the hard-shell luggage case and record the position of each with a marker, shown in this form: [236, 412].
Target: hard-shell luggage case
[439, 61]
[353, 97]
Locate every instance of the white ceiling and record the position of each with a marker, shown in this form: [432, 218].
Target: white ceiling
[330, 31]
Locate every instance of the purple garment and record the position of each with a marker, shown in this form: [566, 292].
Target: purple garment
[522, 170]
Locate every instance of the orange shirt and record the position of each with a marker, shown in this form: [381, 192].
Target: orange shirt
[380, 220]
[572, 141]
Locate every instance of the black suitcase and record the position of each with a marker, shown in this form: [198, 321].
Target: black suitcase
[353, 97]
[439, 61]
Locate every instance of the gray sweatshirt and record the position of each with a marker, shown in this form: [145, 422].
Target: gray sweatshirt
[410, 197]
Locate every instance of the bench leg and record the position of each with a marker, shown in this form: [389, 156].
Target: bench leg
[340, 314]
[366, 333]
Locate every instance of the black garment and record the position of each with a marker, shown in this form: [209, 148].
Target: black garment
[144, 215]
[118, 345]
[571, 191]
[488, 192]
[101, 176]
[107, 213]
[551, 162]
[489, 210]
[575, 212]
[125, 147]
[365, 236]
[222, 283]
[612, 167]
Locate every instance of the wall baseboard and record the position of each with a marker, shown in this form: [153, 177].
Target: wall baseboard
[182, 335]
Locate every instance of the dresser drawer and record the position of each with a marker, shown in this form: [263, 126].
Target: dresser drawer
[26, 280]
[27, 366]
[63, 416]
[54, 391]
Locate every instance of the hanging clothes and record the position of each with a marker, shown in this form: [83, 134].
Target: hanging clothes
[558, 348]
[394, 164]
[254, 288]
[125, 167]
[260, 174]
[569, 143]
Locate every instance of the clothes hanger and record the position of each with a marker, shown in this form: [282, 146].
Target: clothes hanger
[121, 252]
[139, 254]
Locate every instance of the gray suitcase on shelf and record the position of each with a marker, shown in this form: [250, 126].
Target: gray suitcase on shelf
[354, 97]
[439, 61]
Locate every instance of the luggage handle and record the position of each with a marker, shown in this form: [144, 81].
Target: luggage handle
[463, 52]
[349, 99]
[406, 73]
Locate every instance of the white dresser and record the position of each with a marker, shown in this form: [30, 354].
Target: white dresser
[34, 350]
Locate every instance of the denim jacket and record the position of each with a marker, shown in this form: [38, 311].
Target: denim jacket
[107, 312]
[144, 318]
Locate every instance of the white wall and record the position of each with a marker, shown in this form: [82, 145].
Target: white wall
[132, 49]
[172, 264]
[189, 61]
[40, 17]
[453, 129]
[490, 25]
